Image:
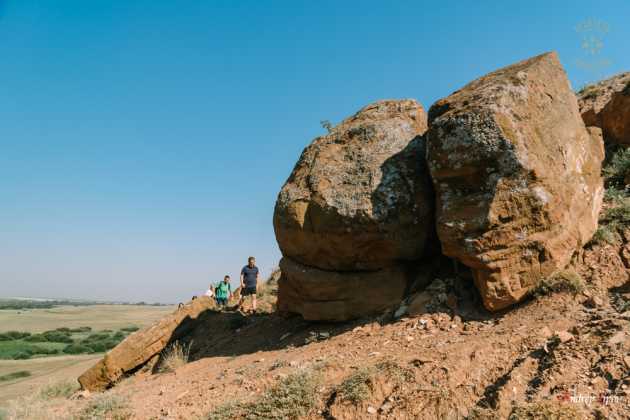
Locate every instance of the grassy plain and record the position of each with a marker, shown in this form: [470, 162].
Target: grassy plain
[99, 317]
[45, 370]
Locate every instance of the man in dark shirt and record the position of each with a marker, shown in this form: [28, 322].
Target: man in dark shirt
[249, 282]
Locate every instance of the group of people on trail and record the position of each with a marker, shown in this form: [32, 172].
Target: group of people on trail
[222, 291]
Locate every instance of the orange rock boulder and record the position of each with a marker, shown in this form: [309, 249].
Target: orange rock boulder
[359, 198]
[517, 177]
[607, 105]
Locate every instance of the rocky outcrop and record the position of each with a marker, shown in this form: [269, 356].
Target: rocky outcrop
[356, 211]
[517, 176]
[338, 296]
[360, 197]
[141, 346]
[607, 105]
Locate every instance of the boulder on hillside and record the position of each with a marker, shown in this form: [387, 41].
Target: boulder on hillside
[607, 105]
[517, 177]
[360, 198]
[141, 346]
[320, 295]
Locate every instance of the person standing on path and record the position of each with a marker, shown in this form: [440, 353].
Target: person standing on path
[223, 292]
[249, 282]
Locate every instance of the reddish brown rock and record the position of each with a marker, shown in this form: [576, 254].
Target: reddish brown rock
[360, 197]
[141, 346]
[517, 177]
[607, 105]
[338, 296]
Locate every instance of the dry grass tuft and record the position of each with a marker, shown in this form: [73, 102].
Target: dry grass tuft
[174, 356]
[105, 406]
[561, 281]
[293, 397]
[359, 386]
[63, 389]
[546, 410]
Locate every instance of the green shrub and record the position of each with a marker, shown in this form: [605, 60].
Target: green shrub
[36, 338]
[15, 335]
[605, 234]
[612, 222]
[615, 171]
[119, 335]
[57, 337]
[15, 375]
[23, 355]
[132, 328]
[96, 337]
[80, 329]
[77, 349]
[43, 350]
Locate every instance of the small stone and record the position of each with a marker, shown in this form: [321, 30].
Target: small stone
[374, 353]
[564, 336]
[626, 360]
[619, 337]
[409, 338]
[371, 410]
[545, 332]
[324, 334]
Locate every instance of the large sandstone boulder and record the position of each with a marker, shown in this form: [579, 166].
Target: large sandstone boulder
[360, 197]
[338, 296]
[517, 177]
[143, 345]
[607, 105]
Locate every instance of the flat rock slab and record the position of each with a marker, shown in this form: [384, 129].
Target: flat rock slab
[517, 177]
[360, 197]
[142, 345]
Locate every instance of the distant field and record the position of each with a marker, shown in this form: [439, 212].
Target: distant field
[43, 370]
[99, 317]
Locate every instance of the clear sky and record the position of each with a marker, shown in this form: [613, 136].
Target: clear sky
[143, 143]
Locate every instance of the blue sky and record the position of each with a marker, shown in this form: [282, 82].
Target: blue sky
[143, 142]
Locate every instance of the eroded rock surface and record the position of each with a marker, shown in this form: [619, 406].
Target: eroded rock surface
[360, 197]
[607, 105]
[338, 296]
[141, 346]
[517, 176]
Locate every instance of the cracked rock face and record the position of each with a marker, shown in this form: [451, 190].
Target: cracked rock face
[607, 105]
[517, 177]
[360, 198]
